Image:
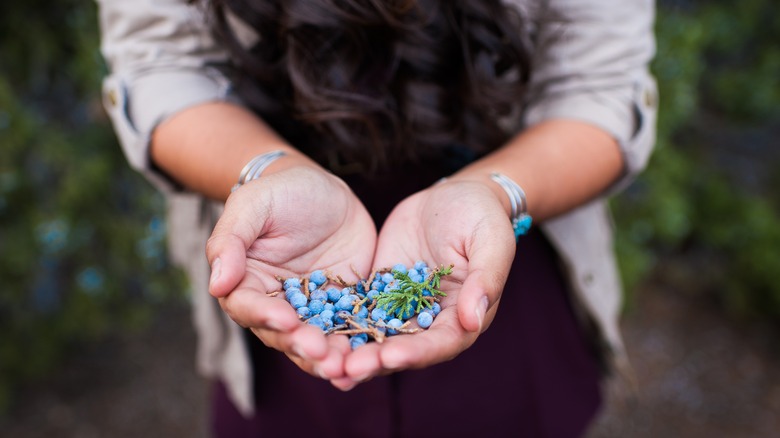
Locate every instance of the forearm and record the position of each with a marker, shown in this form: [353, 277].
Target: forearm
[204, 148]
[560, 164]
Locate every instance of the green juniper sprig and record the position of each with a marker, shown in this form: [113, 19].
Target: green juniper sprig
[409, 297]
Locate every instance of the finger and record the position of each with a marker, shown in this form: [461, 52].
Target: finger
[444, 340]
[306, 342]
[251, 308]
[364, 362]
[240, 225]
[490, 253]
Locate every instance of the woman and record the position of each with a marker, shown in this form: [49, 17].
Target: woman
[390, 97]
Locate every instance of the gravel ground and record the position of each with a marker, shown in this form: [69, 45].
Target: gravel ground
[698, 376]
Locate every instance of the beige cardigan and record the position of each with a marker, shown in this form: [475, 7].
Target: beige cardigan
[590, 64]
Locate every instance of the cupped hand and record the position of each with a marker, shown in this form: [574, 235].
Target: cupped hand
[461, 223]
[288, 224]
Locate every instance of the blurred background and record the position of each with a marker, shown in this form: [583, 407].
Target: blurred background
[95, 338]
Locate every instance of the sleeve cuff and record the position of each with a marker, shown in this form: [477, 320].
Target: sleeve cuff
[137, 105]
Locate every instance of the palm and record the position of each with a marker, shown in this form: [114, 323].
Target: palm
[459, 223]
[286, 225]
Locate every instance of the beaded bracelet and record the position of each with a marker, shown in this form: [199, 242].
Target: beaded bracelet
[521, 220]
[255, 167]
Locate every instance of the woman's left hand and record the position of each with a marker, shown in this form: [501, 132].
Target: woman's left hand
[459, 222]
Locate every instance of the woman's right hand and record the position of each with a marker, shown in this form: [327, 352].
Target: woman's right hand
[288, 224]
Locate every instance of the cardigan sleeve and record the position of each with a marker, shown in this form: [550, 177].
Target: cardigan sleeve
[591, 63]
[162, 58]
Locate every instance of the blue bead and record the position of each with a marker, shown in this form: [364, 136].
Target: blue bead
[521, 225]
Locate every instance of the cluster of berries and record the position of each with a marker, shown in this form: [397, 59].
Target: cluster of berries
[382, 305]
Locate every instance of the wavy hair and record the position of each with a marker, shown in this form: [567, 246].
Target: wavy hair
[379, 81]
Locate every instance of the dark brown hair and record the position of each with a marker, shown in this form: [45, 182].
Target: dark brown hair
[380, 81]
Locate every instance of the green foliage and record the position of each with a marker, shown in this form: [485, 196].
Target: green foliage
[717, 68]
[82, 245]
[409, 297]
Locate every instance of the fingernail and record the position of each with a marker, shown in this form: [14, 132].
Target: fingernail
[216, 270]
[481, 310]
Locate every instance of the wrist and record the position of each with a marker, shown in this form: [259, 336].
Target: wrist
[511, 196]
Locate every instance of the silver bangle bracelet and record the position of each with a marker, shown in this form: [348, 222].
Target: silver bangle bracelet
[255, 167]
[521, 220]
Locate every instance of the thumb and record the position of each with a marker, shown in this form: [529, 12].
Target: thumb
[490, 256]
[240, 225]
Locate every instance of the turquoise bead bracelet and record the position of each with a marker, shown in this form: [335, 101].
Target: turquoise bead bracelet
[521, 220]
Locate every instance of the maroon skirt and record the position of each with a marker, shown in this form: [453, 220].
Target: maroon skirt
[532, 373]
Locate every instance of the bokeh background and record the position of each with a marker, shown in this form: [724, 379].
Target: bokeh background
[95, 338]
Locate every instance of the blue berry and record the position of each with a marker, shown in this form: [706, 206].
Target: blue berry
[318, 277]
[334, 294]
[319, 295]
[316, 306]
[412, 272]
[417, 278]
[344, 303]
[372, 294]
[292, 282]
[378, 314]
[392, 325]
[298, 300]
[419, 265]
[387, 278]
[424, 320]
[327, 315]
[400, 267]
[363, 312]
[346, 291]
[312, 287]
[400, 314]
[436, 308]
[291, 291]
[317, 321]
[303, 311]
[378, 286]
[341, 316]
[329, 306]
[355, 342]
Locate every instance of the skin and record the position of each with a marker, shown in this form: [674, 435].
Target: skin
[560, 164]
